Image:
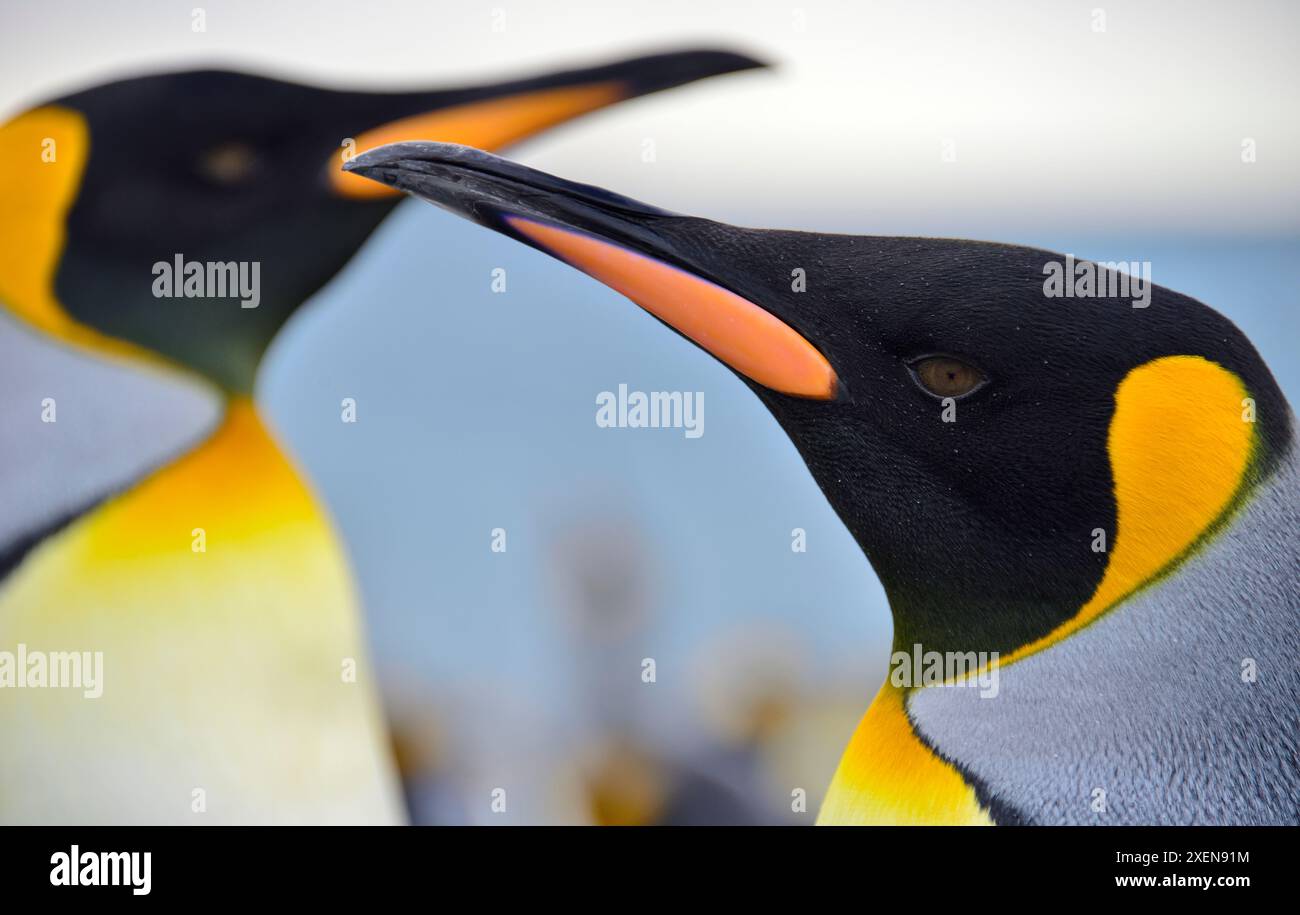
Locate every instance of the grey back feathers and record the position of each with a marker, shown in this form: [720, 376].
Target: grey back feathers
[1149, 715]
[113, 424]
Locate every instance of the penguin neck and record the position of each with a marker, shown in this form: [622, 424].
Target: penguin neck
[1252, 548]
[195, 474]
[891, 773]
[239, 477]
[1178, 700]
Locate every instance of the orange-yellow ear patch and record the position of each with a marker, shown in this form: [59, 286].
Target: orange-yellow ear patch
[1179, 446]
[489, 125]
[42, 155]
[746, 337]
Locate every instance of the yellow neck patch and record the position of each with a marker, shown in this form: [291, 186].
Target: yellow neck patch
[42, 157]
[238, 487]
[888, 777]
[1180, 447]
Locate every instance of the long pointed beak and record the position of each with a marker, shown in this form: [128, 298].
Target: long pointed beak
[613, 239]
[494, 117]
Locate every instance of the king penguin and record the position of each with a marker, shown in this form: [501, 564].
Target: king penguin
[196, 578]
[1097, 499]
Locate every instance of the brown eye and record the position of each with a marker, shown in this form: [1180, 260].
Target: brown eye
[944, 376]
[229, 164]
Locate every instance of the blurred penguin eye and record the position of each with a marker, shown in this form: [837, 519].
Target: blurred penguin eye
[944, 376]
[229, 164]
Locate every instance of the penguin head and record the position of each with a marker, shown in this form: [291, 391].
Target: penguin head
[1013, 458]
[186, 215]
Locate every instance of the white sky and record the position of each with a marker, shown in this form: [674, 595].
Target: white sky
[1056, 126]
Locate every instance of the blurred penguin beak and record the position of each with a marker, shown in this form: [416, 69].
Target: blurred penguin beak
[496, 117]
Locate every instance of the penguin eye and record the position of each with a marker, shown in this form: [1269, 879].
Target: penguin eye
[944, 376]
[229, 164]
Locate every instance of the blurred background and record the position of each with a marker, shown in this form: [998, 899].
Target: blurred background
[1113, 131]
